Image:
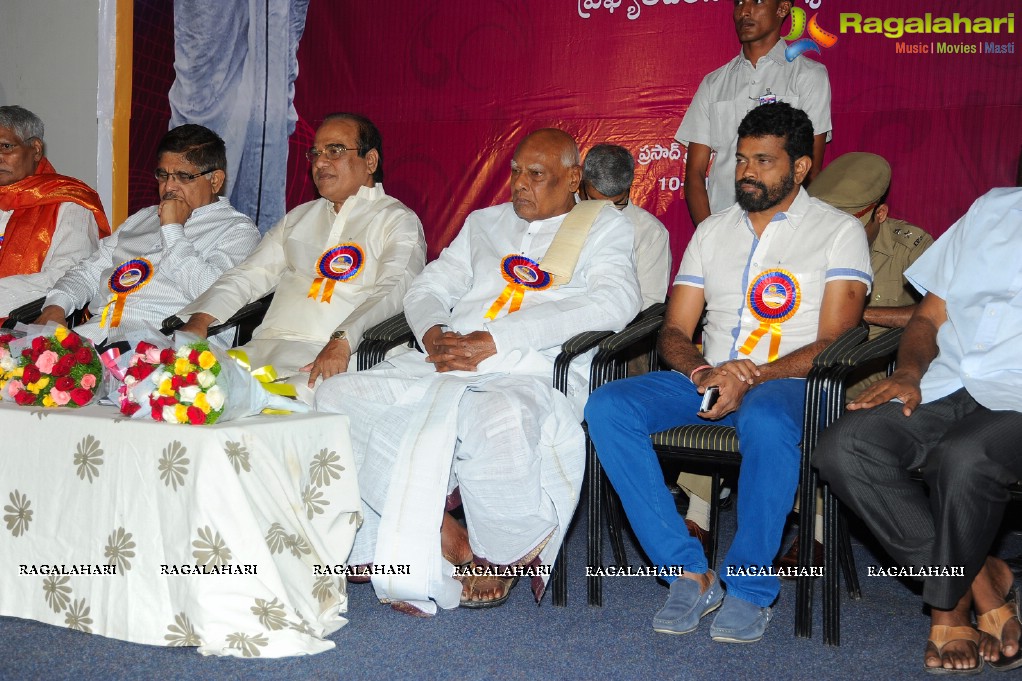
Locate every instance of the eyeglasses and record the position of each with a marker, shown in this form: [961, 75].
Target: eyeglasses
[331, 151]
[181, 176]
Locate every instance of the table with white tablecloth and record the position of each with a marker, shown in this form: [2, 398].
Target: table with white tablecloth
[175, 535]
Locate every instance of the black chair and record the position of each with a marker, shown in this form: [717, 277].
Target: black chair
[244, 321]
[711, 446]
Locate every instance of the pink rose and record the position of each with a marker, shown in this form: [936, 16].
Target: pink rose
[14, 387]
[60, 397]
[152, 355]
[88, 381]
[46, 361]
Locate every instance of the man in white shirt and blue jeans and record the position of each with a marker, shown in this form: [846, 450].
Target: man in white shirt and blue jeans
[780, 276]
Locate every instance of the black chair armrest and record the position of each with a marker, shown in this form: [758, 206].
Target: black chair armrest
[251, 314]
[24, 314]
[606, 365]
[833, 353]
[380, 339]
[572, 348]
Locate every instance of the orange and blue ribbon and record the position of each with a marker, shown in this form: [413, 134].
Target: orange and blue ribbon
[128, 277]
[773, 298]
[340, 263]
[521, 274]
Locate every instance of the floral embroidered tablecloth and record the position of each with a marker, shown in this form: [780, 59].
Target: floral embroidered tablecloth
[209, 536]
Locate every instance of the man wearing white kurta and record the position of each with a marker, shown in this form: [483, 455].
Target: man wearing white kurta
[338, 265]
[476, 412]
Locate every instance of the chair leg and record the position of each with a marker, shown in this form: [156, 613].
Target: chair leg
[714, 517]
[847, 557]
[831, 577]
[560, 577]
[594, 585]
[615, 523]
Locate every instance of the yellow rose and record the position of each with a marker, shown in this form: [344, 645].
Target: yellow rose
[38, 386]
[60, 334]
[48, 402]
[201, 402]
[165, 387]
[181, 413]
[207, 359]
[182, 366]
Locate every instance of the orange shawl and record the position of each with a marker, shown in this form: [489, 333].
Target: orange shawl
[35, 201]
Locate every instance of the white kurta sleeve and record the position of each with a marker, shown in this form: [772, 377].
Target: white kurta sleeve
[80, 284]
[403, 256]
[608, 300]
[75, 236]
[248, 281]
[442, 283]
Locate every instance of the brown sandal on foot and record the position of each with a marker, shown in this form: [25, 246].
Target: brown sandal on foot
[992, 623]
[940, 636]
[473, 580]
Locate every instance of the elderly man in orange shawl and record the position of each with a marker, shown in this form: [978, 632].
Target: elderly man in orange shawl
[48, 222]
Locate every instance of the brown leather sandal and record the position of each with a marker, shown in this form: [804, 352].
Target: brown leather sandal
[941, 635]
[993, 622]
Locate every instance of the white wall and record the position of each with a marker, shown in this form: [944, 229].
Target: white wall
[49, 57]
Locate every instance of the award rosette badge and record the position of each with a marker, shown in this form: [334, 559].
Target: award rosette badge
[521, 274]
[340, 263]
[773, 299]
[127, 278]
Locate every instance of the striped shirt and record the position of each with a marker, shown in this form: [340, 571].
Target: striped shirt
[184, 260]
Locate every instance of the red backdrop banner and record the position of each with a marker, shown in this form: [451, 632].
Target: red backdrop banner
[453, 86]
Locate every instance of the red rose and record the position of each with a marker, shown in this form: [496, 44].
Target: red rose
[65, 384]
[83, 355]
[157, 413]
[165, 401]
[129, 408]
[167, 356]
[31, 374]
[40, 344]
[24, 398]
[60, 369]
[71, 342]
[193, 356]
[6, 338]
[81, 396]
[144, 347]
[195, 416]
[176, 382]
[192, 378]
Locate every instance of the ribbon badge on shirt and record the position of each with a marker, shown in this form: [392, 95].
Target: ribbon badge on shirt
[773, 299]
[520, 273]
[127, 278]
[340, 263]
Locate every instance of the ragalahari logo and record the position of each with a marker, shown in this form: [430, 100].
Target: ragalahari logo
[817, 36]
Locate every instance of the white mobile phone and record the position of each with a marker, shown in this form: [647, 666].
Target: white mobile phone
[709, 398]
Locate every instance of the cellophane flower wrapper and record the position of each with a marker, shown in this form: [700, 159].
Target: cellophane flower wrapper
[56, 368]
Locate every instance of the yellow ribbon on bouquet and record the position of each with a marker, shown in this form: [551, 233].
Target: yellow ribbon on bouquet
[266, 375]
[773, 298]
[521, 274]
[340, 263]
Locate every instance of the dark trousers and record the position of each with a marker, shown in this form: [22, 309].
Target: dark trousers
[968, 455]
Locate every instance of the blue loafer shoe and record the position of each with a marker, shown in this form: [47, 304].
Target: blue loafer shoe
[685, 605]
[740, 622]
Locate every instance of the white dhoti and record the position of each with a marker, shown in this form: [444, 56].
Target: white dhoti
[511, 444]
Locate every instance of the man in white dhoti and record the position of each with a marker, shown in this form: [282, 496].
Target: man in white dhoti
[338, 265]
[475, 417]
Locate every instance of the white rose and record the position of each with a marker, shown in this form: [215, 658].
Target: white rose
[7, 363]
[169, 416]
[206, 378]
[188, 393]
[216, 397]
[184, 351]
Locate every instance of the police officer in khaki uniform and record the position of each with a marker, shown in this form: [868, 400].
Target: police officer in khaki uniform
[857, 183]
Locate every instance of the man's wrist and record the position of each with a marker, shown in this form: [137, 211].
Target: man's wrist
[702, 367]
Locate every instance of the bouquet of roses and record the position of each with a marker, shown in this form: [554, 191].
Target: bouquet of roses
[56, 368]
[172, 384]
[190, 382]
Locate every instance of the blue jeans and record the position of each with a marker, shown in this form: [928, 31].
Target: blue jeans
[622, 415]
